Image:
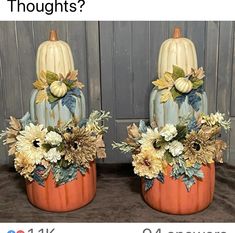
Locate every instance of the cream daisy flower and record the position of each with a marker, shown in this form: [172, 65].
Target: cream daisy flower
[150, 137]
[30, 141]
[149, 143]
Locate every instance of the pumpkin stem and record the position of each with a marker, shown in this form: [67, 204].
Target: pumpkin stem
[177, 33]
[53, 35]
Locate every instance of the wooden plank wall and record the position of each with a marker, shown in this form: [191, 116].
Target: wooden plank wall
[116, 62]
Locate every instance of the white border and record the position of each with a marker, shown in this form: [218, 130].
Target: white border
[120, 227]
[132, 10]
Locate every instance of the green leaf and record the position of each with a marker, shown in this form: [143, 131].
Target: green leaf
[182, 132]
[148, 184]
[82, 170]
[38, 175]
[51, 97]
[175, 93]
[69, 83]
[64, 175]
[70, 102]
[46, 146]
[60, 148]
[197, 84]
[51, 77]
[168, 157]
[189, 182]
[177, 72]
[161, 142]
[50, 128]
[160, 177]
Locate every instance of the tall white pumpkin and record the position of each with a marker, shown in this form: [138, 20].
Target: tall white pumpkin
[181, 52]
[55, 56]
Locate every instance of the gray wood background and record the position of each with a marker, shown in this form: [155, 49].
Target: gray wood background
[117, 62]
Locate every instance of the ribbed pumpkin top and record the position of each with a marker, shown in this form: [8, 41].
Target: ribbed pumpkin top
[53, 35]
[177, 33]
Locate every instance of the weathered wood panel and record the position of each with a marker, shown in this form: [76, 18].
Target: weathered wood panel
[211, 63]
[108, 84]
[93, 65]
[225, 72]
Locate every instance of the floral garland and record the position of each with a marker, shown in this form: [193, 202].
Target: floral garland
[185, 147]
[70, 82]
[62, 150]
[170, 89]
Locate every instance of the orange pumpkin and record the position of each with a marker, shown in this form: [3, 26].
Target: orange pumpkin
[173, 198]
[67, 197]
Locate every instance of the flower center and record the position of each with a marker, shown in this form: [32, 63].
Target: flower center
[196, 146]
[69, 130]
[36, 143]
[75, 145]
[155, 145]
[147, 163]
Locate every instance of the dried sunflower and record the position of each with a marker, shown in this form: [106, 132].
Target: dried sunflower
[80, 146]
[24, 165]
[199, 148]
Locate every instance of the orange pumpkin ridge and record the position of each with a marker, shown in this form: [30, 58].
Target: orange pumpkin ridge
[172, 196]
[66, 197]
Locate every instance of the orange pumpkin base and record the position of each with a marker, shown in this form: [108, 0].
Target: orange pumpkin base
[70, 196]
[172, 197]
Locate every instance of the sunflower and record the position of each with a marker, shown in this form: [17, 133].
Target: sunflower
[24, 165]
[80, 146]
[147, 165]
[30, 142]
[199, 148]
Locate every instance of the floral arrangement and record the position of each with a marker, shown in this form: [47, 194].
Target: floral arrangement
[185, 147]
[62, 150]
[178, 85]
[53, 87]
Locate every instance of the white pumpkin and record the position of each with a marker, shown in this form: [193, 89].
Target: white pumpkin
[58, 89]
[183, 85]
[177, 51]
[181, 52]
[54, 55]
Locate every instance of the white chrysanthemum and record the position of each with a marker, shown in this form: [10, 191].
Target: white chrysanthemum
[176, 148]
[52, 155]
[30, 141]
[53, 138]
[151, 136]
[168, 132]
